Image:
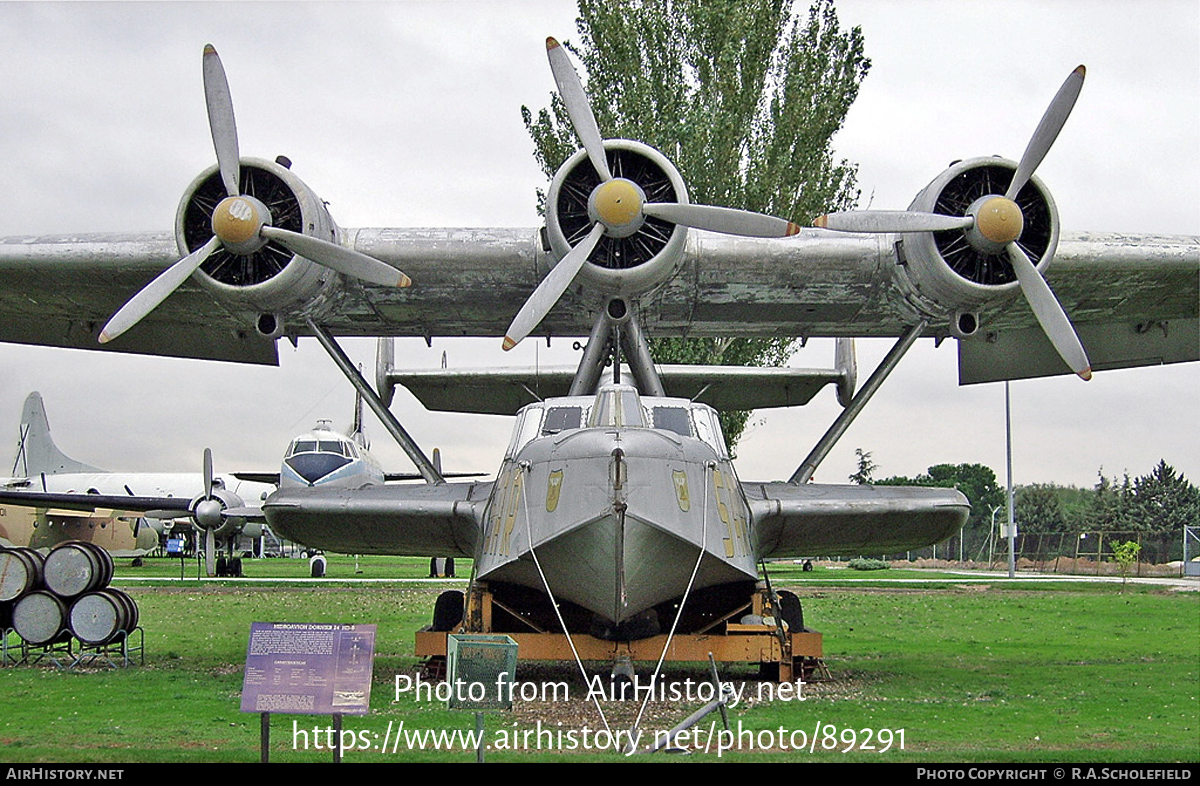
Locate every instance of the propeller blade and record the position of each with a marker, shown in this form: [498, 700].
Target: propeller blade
[145, 301]
[208, 473]
[550, 290]
[343, 260]
[1047, 130]
[888, 221]
[578, 108]
[210, 547]
[220, 120]
[721, 219]
[1049, 313]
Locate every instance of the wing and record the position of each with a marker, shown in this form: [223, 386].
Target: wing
[59, 291]
[95, 502]
[1133, 300]
[807, 520]
[425, 520]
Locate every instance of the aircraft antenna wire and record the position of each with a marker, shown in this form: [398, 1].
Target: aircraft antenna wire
[708, 469]
[525, 467]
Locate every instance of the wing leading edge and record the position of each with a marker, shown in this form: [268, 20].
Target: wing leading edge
[418, 520]
[812, 519]
[1133, 299]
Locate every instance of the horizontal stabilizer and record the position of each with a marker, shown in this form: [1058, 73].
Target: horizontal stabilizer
[502, 391]
[826, 520]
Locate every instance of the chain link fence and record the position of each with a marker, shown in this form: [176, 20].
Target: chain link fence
[1077, 553]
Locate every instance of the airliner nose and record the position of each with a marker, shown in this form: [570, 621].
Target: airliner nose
[314, 466]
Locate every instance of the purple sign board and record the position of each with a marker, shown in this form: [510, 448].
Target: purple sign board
[309, 668]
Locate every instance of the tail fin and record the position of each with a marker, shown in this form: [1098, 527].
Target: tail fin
[36, 452]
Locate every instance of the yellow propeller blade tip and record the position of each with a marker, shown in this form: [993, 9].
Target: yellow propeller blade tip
[404, 281]
[1086, 374]
[508, 343]
[1081, 70]
[551, 43]
[792, 229]
[209, 49]
[104, 337]
[821, 221]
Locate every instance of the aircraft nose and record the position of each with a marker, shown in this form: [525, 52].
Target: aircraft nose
[314, 466]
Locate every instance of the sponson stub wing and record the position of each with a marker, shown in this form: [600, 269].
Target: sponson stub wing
[418, 520]
[805, 520]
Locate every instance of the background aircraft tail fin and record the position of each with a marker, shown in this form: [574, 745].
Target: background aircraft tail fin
[36, 451]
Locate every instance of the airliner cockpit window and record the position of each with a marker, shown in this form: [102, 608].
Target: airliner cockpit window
[330, 446]
[303, 446]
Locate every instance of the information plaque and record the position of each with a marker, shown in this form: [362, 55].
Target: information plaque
[309, 668]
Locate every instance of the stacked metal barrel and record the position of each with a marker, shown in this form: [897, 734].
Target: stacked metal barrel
[47, 600]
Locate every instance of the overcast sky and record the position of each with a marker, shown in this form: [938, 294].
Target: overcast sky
[407, 114]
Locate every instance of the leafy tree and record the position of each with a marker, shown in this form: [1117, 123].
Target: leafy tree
[742, 95]
[1125, 554]
[976, 481]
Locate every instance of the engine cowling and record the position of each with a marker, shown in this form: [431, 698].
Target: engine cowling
[208, 513]
[635, 264]
[271, 279]
[952, 274]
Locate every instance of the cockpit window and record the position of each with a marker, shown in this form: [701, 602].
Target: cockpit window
[303, 446]
[674, 419]
[529, 423]
[562, 419]
[330, 446]
[618, 406]
[708, 428]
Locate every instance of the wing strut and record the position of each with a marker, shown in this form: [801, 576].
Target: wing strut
[805, 471]
[424, 465]
[617, 326]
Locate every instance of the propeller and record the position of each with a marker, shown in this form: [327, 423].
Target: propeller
[994, 224]
[241, 224]
[617, 206]
[208, 515]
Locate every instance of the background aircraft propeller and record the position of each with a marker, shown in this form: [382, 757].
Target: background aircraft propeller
[994, 224]
[618, 206]
[241, 224]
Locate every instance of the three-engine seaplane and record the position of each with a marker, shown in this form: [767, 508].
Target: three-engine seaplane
[616, 509]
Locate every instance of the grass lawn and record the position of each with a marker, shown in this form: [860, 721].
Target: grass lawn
[987, 671]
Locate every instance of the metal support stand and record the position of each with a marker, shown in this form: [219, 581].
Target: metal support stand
[805, 471]
[424, 465]
[116, 654]
[6, 656]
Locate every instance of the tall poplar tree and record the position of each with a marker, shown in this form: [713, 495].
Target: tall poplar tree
[742, 95]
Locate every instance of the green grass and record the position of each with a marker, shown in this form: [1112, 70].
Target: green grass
[338, 566]
[987, 672]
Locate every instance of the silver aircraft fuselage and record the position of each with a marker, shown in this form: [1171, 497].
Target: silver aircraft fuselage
[580, 508]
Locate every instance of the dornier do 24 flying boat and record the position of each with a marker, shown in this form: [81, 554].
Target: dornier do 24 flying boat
[616, 498]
